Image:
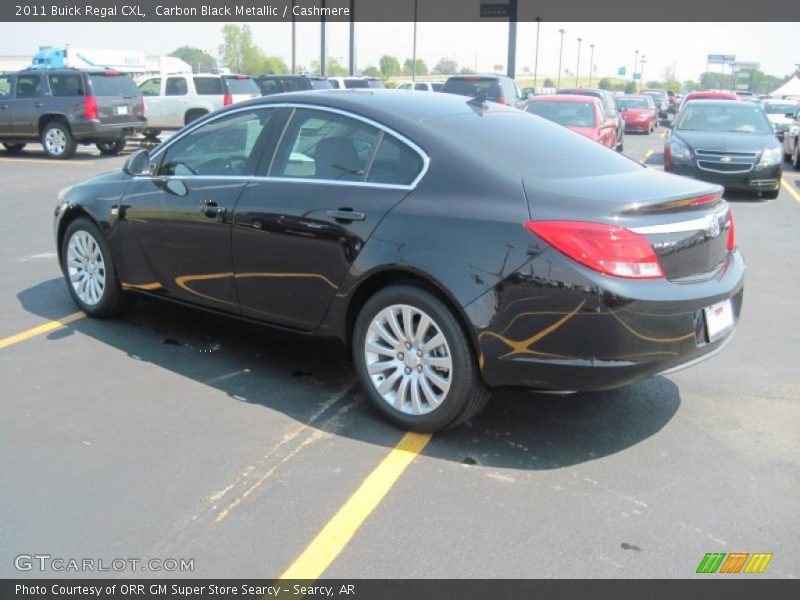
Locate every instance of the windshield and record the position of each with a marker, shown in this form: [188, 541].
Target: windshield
[576, 114]
[734, 117]
[472, 87]
[626, 103]
[780, 109]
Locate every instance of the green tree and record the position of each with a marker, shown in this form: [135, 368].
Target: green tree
[237, 46]
[445, 66]
[390, 67]
[605, 84]
[549, 83]
[466, 71]
[198, 59]
[630, 87]
[335, 68]
[422, 68]
[690, 86]
[371, 71]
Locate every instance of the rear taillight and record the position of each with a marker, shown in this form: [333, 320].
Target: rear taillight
[707, 199]
[605, 248]
[228, 100]
[731, 232]
[141, 105]
[667, 155]
[501, 100]
[90, 107]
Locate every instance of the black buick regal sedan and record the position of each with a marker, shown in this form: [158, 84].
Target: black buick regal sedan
[454, 246]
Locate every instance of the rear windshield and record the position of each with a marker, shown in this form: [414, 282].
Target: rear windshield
[472, 87]
[113, 85]
[533, 146]
[655, 94]
[577, 114]
[781, 109]
[242, 85]
[355, 83]
[626, 103]
[320, 84]
[208, 86]
[375, 83]
[742, 117]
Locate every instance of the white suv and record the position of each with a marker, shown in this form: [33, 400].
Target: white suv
[172, 101]
[422, 86]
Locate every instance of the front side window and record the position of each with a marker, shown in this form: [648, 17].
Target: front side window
[28, 86]
[324, 145]
[228, 146]
[5, 86]
[176, 86]
[151, 87]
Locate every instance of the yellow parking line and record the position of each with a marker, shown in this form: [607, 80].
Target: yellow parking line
[34, 331]
[336, 534]
[790, 188]
[647, 155]
[46, 161]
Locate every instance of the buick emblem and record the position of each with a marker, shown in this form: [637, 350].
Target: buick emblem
[713, 228]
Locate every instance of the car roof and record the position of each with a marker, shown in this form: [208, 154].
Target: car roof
[391, 107]
[716, 102]
[566, 98]
[479, 76]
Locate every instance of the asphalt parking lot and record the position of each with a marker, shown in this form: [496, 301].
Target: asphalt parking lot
[170, 433]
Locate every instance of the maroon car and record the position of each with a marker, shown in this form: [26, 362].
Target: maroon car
[639, 113]
[582, 114]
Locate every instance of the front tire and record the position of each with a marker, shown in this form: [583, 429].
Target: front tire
[796, 155]
[770, 195]
[112, 148]
[14, 147]
[89, 270]
[57, 140]
[414, 361]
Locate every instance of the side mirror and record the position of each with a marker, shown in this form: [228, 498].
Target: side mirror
[137, 164]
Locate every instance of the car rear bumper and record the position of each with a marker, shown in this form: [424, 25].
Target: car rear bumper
[94, 131]
[767, 179]
[590, 333]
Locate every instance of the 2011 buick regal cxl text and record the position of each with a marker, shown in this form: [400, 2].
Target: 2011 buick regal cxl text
[454, 245]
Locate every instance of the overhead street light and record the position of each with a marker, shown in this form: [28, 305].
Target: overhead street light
[591, 63]
[536, 59]
[560, 54]
[578, 68]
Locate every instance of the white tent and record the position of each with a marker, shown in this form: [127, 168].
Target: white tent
[790, 88]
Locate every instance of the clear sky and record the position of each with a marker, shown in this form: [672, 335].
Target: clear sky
[682, 45]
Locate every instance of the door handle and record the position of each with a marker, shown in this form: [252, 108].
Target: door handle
[38, 105]
[3, 106]
[346, 214]
[210, 209]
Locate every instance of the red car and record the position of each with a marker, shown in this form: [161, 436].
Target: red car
[639, 113]
[582, 114]
[707, 96]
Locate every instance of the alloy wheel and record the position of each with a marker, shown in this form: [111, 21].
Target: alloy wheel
[55, 141]
[86, 267]
[408, 359]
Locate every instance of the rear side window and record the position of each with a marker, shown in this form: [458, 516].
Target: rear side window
[113, 85]
[271, 86]
[355, 83]
[394, 163]
[421, 86]
[323, 145]
[151, 87]
[242, 85]
[473, 87]
[208, 86]
[334, 83]
[63, 85]
[176, 86]
[28, 86]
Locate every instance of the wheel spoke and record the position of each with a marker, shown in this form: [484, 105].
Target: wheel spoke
[408, 324]
[389, 382]
[379, 330]
[430, 395]
[439, 362]
[433, 343]
[416, 403]
[402, 394]
[438, 381]
[391, 318]
[378, 349]
[382, 366]
[422, 328]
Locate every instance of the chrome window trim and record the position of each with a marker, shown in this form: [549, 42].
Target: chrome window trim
[295, 105]
[261, 178]
[699, 224]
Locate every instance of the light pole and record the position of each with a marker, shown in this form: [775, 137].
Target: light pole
[536, 59]
[591, 63]
[560, 53]
[294, 43]
[578, 68]
[414, 52]
[635, 65]
[642, 61]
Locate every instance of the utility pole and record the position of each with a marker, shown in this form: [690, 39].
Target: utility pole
[635, 66]
[351, 66]
[323, 45]
[294, 42]
[536, 59]
[578, 68]
[591, 63]
[512, 39]
[414, 50]
[642, 62]
[560, 53]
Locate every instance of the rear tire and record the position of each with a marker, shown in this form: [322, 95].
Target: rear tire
[421, 374]
[152, 134]
[112, 148]
[770, 195]
[89, 270]
[796, 155]
[57, 140]
[14, 147]
[193, 115]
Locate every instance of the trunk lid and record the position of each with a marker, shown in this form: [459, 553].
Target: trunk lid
[685, 221]
[119, 101]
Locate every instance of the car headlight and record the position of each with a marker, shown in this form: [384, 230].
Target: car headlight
[771, 157]
[63, 193]
[644, 117]
[679, 150]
